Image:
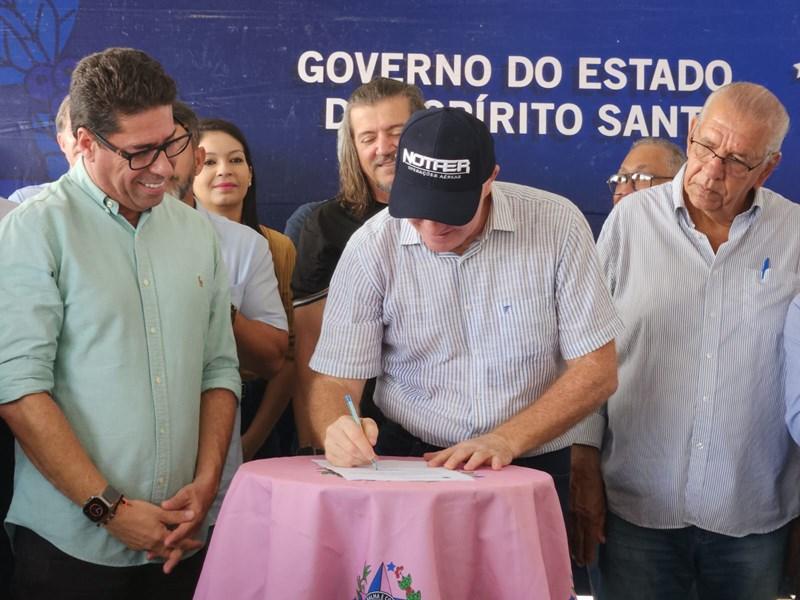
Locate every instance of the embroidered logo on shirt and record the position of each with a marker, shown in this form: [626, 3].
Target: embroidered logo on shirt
[506, 309]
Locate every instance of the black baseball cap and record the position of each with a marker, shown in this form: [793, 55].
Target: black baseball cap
[443, 158]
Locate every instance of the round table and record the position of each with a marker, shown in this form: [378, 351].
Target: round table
[288, 529]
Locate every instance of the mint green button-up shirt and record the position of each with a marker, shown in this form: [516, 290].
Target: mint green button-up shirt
[125, 327]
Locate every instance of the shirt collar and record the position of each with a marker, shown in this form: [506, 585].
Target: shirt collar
[500, 219]
[678, 201]
[500, 214]
[81, 177]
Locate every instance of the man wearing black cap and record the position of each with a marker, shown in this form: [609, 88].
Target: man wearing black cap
[479, 306]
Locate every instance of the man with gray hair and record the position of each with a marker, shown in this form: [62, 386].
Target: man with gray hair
[700, 472]
[650, 161]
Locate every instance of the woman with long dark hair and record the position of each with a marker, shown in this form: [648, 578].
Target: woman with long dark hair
[227, 186]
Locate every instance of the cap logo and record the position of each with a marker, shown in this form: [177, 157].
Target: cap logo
[441, 168]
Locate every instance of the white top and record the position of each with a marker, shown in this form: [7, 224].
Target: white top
[25, 193]
[254, 287]
[6, 207]
[254, 291]
[460, 344]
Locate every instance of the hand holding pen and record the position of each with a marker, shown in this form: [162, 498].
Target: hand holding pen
[349, 440]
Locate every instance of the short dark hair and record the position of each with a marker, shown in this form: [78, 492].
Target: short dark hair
[249, 207]
[184, 115]
[114, 82]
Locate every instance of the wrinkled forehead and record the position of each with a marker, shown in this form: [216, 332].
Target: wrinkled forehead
[738, 131]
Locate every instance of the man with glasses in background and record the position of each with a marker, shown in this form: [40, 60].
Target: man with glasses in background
[118, 369]
[699, 470]
[650, 161]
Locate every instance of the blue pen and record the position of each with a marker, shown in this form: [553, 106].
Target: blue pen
[352, 408]
[764, 268]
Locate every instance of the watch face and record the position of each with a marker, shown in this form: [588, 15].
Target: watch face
[95, 509]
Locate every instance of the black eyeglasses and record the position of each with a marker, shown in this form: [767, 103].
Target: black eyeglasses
[639, 181]
[732, 165]
[144, 158]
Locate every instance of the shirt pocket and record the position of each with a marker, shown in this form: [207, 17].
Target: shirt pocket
[766, 296]
[523, 327]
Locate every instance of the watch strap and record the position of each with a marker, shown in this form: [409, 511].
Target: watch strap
[111, 496]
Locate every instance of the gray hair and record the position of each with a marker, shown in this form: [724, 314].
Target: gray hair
[62, 116]
[676, 154]
[758, 103]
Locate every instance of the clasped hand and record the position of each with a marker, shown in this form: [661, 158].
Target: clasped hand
[163, 531]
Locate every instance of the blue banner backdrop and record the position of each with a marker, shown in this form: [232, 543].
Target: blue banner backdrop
[565, 85]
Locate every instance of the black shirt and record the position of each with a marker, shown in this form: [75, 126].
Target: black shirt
[325, 233]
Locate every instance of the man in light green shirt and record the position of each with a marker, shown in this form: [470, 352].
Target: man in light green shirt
[118, 369]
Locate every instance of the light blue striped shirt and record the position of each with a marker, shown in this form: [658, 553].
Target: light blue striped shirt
[696, 434]
[460, 344]
[125, 327]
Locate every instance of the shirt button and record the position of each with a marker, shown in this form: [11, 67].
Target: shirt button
[152, 330]
[708, 356]
[699, 445]
[158, 379]
[160, 481]
[145, 282]
[109, 204]
[705, 398]
[162, 430]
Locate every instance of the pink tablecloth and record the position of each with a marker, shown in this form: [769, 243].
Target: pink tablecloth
[288, 531]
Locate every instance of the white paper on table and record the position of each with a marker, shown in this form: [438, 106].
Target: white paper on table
[396, 470]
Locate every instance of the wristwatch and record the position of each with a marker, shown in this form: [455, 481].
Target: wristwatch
[101, 509]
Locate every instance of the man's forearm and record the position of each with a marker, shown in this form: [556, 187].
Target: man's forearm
[587, 382]
[326, 400]
[217, 411]
[261, 347]
[50, 443]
